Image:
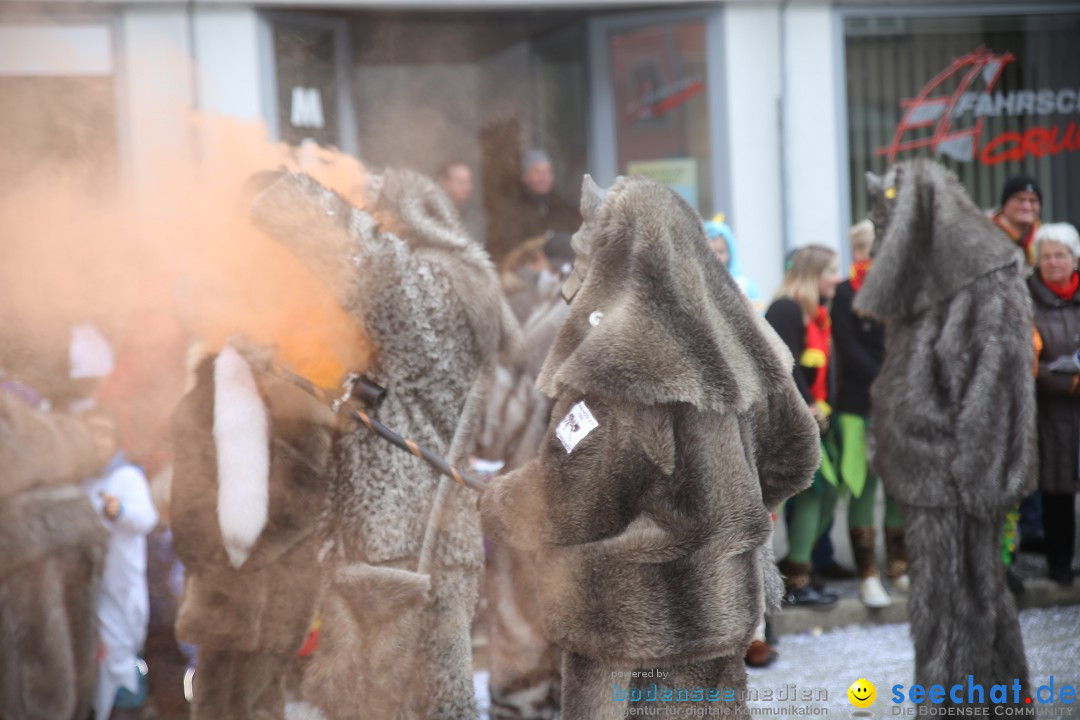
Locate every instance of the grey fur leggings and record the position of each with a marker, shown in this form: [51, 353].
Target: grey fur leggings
[963, 618]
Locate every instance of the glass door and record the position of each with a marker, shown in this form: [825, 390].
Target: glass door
[655, 105]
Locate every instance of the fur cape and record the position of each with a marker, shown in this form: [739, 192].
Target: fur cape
[240, 551]
[52, 552]
[953, 408]
[650, 531]
[403, 548]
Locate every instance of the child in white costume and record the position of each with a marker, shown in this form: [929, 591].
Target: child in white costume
[121, 496]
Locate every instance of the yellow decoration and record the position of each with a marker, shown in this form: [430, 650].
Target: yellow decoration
[813, 358]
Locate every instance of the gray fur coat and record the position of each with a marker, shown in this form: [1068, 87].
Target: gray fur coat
[954, 404]
[403, 547]
[650, 527]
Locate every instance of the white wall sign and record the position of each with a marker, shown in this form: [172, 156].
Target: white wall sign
[307, 108]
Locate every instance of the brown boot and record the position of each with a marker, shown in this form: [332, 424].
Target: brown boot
[862, 547]
[796, 575]
[871, 591]
[896, 565]
[798, 590]
[760, 654]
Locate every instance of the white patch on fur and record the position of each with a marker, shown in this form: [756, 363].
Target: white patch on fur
[302, 711]
[241, 437]
[578, 423]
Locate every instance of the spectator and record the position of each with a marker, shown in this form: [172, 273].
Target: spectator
[722, 241]
[1054, 289]
[860, 349]
[455, 177]
[533, 209]
[121, 496]
[800, 316]
[1018, 216]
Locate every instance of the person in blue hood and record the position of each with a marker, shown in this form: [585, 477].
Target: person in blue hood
[722, 240]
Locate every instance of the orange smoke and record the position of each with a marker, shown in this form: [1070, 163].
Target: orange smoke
[76, 251]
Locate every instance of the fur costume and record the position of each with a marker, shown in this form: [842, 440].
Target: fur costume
[250, 478]
[403, 546]
[953, 415]
[651, 529]
[52, 550]
[524, 665]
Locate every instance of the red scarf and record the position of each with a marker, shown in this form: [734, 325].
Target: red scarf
[859, 269]
[816, 354]
[1065, 291]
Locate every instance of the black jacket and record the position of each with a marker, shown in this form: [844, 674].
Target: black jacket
[858, 349]
[786, 318]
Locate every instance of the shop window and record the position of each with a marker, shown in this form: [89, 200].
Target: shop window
[661, 107]
[990, 97]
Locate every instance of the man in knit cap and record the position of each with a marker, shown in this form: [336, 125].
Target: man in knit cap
[531, 210]
[1018, 216]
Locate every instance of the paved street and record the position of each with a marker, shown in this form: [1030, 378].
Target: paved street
[827, 663]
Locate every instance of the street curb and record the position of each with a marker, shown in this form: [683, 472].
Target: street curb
[1038, 593]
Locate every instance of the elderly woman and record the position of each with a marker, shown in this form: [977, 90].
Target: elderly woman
[1053, 288]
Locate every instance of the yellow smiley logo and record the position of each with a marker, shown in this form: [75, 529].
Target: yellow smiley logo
[862, 693]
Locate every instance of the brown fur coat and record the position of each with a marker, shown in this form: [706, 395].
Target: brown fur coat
[650, 530]
[52, 550]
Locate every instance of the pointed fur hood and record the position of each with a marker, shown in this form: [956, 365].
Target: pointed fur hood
[657, 318]
[935, 243]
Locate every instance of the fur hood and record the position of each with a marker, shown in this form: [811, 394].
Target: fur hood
[658, 319]
[936, 243]
[676, 428]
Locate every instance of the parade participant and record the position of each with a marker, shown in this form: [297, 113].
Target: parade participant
[676, 428]
[52, 549]
[403, 550]
[251, 460]
[953, 415]
[121, 495]
[524, 666]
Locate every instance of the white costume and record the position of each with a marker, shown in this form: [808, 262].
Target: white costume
[124, 602]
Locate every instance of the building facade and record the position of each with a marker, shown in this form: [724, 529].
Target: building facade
[768, 111]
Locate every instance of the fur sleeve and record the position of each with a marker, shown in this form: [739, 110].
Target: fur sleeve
[982, 352]
[787, 449]
[513, 508]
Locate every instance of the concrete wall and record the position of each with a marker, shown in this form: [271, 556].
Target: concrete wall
[227, 53]
[812, 154]
[752, 61]
[157, 86]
